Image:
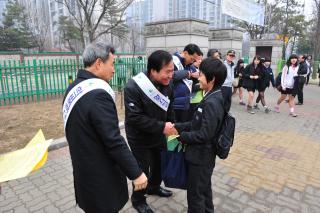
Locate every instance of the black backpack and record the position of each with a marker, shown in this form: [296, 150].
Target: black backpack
[225, 136]
[278, 81]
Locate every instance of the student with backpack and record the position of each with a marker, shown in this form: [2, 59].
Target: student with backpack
[289, 72]
[278, 81]
[201, 136]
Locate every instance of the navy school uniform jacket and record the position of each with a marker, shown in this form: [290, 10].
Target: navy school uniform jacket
[253, 83]
[200, 134]
[270, 76]
[100, 157]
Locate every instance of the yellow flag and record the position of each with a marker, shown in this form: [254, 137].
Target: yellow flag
[22, 162]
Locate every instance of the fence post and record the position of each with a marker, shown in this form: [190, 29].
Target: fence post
[35, 72]
[2, 80]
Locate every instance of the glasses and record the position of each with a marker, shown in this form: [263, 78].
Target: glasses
[232, 56]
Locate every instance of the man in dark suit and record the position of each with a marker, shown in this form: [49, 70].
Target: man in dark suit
[300, 80]
[101, 159]
[148, 117]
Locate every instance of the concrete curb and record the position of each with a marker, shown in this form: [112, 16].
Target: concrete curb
[62, 142]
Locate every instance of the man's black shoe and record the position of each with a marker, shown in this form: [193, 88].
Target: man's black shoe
[161, 192]
[142, 208]
[299, 103]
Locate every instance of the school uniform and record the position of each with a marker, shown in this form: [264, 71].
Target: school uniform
[288, 79]
[199, 135]
[253, 84]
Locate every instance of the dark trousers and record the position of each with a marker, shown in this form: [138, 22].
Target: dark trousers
[227, 94]
[149, 160]
[299, 83]
[199, 191]
[308, 78]
[181, 115]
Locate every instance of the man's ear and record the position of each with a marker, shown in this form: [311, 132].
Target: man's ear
[213, 81]
[97, 63]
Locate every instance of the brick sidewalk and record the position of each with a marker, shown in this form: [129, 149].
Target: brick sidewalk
[274, 167]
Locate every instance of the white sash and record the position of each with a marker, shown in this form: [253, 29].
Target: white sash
[179, 65]
[151, 91]
[80, 90]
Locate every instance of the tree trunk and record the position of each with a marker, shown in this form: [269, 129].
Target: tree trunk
[317, 35]
[82, 40]
[91, 36]
[293, 44]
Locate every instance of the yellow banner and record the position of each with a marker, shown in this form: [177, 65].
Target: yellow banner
[20, 163]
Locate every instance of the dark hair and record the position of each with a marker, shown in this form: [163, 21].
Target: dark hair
[158, 59]
[267, 59]
[291, 57]
[94, 51]
[240, 61]
[304, 56]
[256, 57]
[211, 52]
[214, 68]
[192, 49]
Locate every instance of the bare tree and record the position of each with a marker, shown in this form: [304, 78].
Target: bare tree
[95, 18]
[40, 29]
[271, 20]
[317, 30]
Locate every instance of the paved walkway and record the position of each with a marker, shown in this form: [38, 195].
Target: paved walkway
[274, 167]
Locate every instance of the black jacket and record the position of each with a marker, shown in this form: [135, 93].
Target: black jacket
[303, 68]
[237, 71]
[100, 156]
[144, 120]
[200, 134]
[252, 83]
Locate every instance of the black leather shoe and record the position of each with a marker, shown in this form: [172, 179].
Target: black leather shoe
[299, 103]
[161, 192]
[143, 208]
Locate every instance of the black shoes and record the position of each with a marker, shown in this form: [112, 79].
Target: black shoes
[161, 192]
[143, 208]
[299, 103]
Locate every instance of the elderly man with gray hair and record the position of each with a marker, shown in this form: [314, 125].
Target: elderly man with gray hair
[101, 159]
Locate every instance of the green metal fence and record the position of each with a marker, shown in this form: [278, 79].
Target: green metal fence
[36, 80]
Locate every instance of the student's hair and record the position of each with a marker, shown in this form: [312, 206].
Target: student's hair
[211, 52]
[291, 57]
[267, 59]
[94, 51]
[240, 61]
[256, 57]
[192, 49]
[214, 68]
[158, 59]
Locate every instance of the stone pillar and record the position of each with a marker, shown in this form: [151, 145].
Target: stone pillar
[174, 35]
[226, 39]
[276, 53]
